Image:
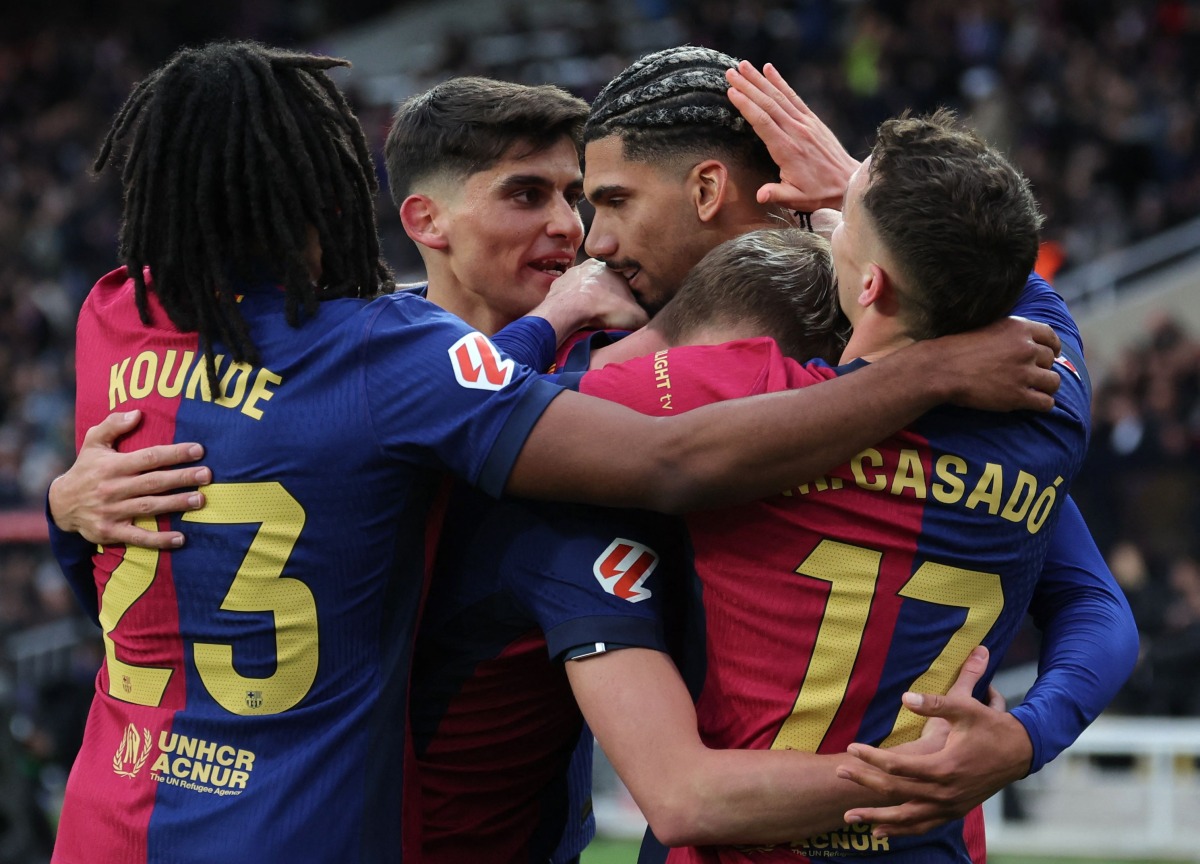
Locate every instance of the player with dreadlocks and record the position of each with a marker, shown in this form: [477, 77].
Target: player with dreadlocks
[256, 678]
[205, 221]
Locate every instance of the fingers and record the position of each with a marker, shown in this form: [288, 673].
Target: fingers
[131, 535]
[107, 431]
[903, 820]
[973, 669]
[996, 700]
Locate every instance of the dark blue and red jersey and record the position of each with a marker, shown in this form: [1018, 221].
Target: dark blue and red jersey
[822, 605]
[517, 587]
[252, 697]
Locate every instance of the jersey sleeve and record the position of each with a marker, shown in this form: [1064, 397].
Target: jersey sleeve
[443, 396]
[599, 576]
[531, 341]
[74, 556]
[1090, 640]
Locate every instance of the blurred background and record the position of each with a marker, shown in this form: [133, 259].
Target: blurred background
[1098, 101]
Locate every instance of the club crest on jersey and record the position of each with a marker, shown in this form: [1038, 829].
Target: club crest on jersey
[624, 567]
[478, 365]
[132, 752]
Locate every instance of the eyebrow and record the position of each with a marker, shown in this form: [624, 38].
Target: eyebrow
[517, 181]
[600, 193]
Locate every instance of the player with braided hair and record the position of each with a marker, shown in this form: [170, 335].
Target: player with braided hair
[256, 678]
[667, 155]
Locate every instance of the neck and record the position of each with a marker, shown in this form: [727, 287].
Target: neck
[639, 343]
[469, 307]
[873, 339]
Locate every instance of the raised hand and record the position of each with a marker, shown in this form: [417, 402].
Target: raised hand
[814, 167]
[102, 494]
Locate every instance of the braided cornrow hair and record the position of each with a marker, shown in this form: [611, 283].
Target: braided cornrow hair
[673, 102]
[236, 153]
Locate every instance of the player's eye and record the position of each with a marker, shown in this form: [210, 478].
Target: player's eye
[527, 196]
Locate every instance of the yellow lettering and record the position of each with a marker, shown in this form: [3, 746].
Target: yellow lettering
[236, 373]
[1015, 511]
[199, 378]
[172, 389]
[201, 771]
[187, 746]
[116, 384]
[245, 759]
[879, 843]
[874, 459]
[206, 750]
[988, 489]
[910, 474]
[860, 842]
[260, 393]
[162, 764]
[821, 841]
[165, 744]
[237, 779]
[950, 490]
[181, 767]
[225, 755]
[1041, 510]
[145, 370]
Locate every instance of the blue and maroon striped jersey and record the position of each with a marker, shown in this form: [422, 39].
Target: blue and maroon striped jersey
[251, 704]
[821, 605]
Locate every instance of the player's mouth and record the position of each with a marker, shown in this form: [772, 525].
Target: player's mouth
[552, 266]
[630, 273]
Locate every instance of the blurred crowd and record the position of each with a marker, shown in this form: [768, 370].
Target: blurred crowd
[1097, 100]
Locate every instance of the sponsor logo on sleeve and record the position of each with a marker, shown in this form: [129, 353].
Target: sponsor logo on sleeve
[624, 567]
[478, 365]
[1063, 360]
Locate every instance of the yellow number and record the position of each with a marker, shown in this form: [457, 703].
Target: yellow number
[258, 586]
[141, 685]
[853, 573]
[837, 642]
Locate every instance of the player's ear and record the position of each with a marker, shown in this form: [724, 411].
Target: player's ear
[424, 221]
[708, 184]
[879, 291]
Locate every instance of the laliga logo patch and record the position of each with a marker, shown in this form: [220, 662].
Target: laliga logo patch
[623, 569]
[478, 365]
[1063, 360]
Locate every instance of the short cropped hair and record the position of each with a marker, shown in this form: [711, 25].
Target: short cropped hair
[468, 124]
[674, 103]
[959, 220]
[779, 280]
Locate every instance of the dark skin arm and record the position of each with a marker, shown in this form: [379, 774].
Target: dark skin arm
[717, 455]
[745, 449]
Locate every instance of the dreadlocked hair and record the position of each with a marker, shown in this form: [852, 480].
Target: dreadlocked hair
[674, 102]
[232, 156]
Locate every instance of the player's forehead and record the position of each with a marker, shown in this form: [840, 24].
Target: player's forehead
[554, 165]
[606, 167]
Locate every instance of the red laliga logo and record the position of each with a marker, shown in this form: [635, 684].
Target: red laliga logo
[478, 365]
[623, 569]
